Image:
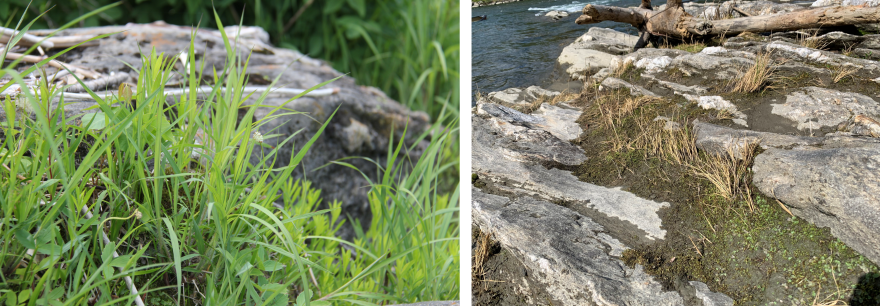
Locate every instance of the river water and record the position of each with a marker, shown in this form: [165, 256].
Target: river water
[517, 46]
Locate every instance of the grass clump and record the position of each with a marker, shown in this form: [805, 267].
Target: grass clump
[842, 72]
[757, 77]
[145, 200]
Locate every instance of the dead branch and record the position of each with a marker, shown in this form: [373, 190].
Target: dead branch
[675, 22]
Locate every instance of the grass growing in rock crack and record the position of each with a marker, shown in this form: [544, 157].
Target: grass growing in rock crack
[757, 77]
[174, 204]
[842, 72]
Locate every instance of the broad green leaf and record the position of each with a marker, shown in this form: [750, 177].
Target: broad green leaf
[94, 121]
[272, 265]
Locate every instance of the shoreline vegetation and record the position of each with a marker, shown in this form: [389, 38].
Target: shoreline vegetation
[139, 200]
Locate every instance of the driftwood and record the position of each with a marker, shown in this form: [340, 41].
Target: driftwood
[674, 22]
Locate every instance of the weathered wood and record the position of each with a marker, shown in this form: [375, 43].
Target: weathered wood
[675, 22]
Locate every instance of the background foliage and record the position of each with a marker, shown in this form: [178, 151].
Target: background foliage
[408, 49]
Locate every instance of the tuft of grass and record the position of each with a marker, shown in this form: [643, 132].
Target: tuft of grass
[729, 172]
[694, 47]
[623, 67]
[811, 40]
[757, 77]
[841, 72]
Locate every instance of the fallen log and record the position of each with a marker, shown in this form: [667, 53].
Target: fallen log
[674, 22]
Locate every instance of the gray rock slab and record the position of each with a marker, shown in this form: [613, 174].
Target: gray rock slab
[567, 252]
[710, 298]
[519, 96]
[838, 188]
[814, 108]
[814, 56]
[635, 90]
[511, 156]
[711, 67]
[594, 50]
[560, 120]
[719, 140]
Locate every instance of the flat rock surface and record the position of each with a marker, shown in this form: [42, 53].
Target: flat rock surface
[573, 262]
[837, 188]
[815, 108]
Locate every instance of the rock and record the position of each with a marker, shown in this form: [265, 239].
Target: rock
[668, 125]
[511, 157]
[518, 96]
[717, 102]
[710, 298]
[838, 188]
[813, 56]
[361, 127]
[711, 67]
[556, 15]
[861, 125]
[560, 121]
[635, 90]
[720, 140]
[815, 108]
[594, 50]
[567, 252]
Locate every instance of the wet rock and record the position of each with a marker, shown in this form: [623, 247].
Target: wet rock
[815, 108]
[556, 15]
[635, 90]
[838, 188]
[594, 50]
[567, 252]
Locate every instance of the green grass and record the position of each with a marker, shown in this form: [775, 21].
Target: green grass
[192, 220]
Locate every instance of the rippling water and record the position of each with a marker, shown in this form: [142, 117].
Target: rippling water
[517, 45]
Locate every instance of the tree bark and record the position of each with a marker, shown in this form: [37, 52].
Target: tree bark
[675, 22]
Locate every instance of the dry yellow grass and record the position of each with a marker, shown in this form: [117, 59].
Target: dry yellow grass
[757, 76]
[729, 171]
[840, 72]
[622, 67]
[812, 40]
